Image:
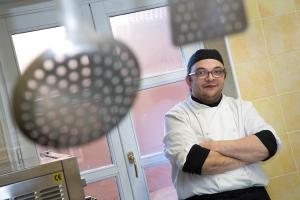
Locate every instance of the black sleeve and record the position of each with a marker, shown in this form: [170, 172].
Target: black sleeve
[195, 159]
[268, 139]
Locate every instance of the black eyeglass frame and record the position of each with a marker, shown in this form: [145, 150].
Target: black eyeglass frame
[221, 69]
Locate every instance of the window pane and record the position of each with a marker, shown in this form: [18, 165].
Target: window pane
[89, 156]
[28, 46]
[103, 190]
[148, 114]
[147, 33]
[159, 183]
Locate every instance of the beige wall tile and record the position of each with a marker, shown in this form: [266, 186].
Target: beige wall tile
[269, 109]
[291, 110]
[294, 139]
[285, 187]
[248, 45]
[252, 10]
[255, 79]
[269, 8]
[282, 163]
[282, 33]
[297, 4]
[286, 71]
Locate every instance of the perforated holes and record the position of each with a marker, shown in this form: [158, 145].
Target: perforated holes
[86, 83]
[97, 59]
[63, 84]
[45, 129]
[43, 90]
[117, 65]
[124, 56]
[115, 80]
[108, 74]
[73, 64]
[184, 27]
[51, 115]
[84, 60]
[34, 134]
[86, 71]
[99, 83]
[40, 121]
[108, 61]
[74, 76]
[187, 17]
[98, 71]
[25, 106]
[61, 70]
[118, 99]
[131, 63]
[124, 72]
[48, 65]
[39, 74]
[32, 84]
[128, 80]
[178, 19]
[25, 117]
[28, 95]
[190, 36]
[51, 80]
[119, 89]
[73, 89]
[181, 8]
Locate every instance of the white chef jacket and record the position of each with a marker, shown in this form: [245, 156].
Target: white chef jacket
[189, 122]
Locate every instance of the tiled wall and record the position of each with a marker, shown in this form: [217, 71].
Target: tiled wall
[267, 62]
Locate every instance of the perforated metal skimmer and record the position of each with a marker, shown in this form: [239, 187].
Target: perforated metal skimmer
[198, 20]
[70, 99]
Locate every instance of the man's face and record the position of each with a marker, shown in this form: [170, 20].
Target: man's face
[208, 88]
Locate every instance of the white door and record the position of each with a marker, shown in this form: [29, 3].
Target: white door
[143, 26]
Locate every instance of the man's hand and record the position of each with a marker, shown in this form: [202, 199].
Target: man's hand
[249, 149]
[216, 163]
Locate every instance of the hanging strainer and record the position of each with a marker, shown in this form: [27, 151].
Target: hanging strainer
[67, 98]
[198, 20]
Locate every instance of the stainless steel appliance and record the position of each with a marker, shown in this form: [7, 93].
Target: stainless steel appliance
[56, 178]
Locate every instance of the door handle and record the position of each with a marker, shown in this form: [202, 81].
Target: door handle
[132, 160]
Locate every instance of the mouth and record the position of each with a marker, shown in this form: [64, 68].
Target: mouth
[210, 86]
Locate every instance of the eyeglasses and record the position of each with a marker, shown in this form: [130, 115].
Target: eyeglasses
[204, 73]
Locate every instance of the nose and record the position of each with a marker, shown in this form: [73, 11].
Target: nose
[210, 76]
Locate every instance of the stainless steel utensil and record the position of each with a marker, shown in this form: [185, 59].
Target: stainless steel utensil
[198, 20]
[79, 93]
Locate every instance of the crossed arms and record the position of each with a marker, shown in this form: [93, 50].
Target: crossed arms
[232, 154]
[225, 155]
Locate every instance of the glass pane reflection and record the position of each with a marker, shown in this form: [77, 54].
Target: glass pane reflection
[148, 114]
[103, 190]
[147, 33]
[159, 182]
[89, 156]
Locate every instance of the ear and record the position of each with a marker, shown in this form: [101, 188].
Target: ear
[188, 80]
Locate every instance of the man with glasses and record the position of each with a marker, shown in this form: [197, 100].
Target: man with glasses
[215, 142]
